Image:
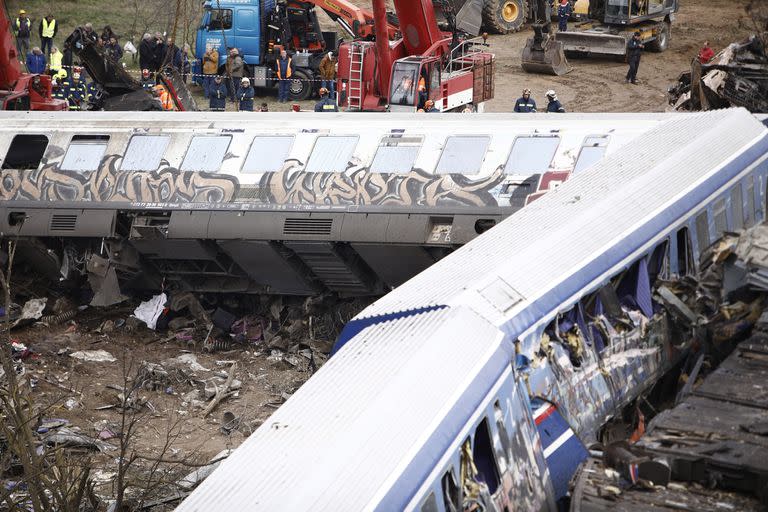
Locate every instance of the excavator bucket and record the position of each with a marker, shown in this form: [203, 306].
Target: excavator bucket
[543, 54]
[593, 41]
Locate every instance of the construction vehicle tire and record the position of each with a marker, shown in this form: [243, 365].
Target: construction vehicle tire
[301, 85]
[504, 16]
[661, 42]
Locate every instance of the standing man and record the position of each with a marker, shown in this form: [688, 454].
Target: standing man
[48, 30]
[235, 70]
[564, 12]
[326, 103]
[55, 62]
[113, 49]
[634, 49]
[284, 71]
[245, 95]
[328, 73]
[36, 61]
[525, 104]
[23, 29]
[210, 68]
[217, 95]
[147, 52]
[553, 104]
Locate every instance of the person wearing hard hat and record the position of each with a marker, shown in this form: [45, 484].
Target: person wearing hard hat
[22, 26]
[326, 103]
[525, 104]
[77, 94]
[164, 96]
[553, 104]
[245, 94]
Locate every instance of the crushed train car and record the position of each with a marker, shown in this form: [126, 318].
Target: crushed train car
[290, 205]
[737, 77]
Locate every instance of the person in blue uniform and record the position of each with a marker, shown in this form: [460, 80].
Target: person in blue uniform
[525, 104]
[245, 94]
[326, 103]
[217, 95]
[635, 48]
[564, 11]
[553, 104]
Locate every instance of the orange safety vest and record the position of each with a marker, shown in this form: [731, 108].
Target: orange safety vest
[165, 97]
[422, 85]
[288, 72]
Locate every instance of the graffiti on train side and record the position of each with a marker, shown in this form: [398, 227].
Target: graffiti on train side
[109, 183]
[357, 185]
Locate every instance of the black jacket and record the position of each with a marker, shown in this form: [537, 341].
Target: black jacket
[634, 48]
[146, 54]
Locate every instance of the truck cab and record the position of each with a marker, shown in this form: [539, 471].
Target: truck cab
[409, 75]
[233, 25]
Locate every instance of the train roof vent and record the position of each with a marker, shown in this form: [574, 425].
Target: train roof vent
[63, 222]
[307, 226]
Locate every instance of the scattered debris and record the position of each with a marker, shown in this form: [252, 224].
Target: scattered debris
[95, 356]
[149, 311]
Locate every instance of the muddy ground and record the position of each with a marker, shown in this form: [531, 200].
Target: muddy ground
[597, 84]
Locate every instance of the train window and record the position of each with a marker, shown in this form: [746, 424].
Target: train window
[498, 416]
[591, 152]
[84, 153]
[685, 262]
[750, 217]
[145, 152]
[531, 155]
[268, 153]
[430, 503]
[737, 207]
[721, 222]
[26, 152]
[702, 231]
[484, 457]
[463, 154]
[396, 154]
[658, 262]
[331, 153]
[451, 495]
[206, 152]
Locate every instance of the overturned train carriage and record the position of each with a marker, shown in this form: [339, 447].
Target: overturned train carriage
[295, 204]
[479, 383]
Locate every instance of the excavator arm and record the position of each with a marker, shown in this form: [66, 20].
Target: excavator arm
[355, 20]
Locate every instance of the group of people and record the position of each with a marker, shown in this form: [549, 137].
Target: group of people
[526, 104]
[158, 52]
[47, 29]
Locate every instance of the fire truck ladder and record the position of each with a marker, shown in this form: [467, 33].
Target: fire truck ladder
[355, 85]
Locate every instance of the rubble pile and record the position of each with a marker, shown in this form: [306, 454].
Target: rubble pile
[175, 378]
[737, 77]
[709, 451]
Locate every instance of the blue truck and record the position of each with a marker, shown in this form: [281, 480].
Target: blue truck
[259, 29]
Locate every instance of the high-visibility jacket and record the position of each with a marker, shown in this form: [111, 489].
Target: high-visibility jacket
[422, 85]
[23, 27]
[165, 97]
[284, 67]
[55, 64]
[48, 29]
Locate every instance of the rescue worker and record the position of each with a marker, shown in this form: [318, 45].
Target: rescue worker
[284, 69]
[147, 81]
[564, 11]
[634, 49]
[429, 107]
[245, 94]
[525, 104]
[165, 98]
[706, 54]
[217, 95]
[48, 30]
[23, 28]
[553, 104]
[422, 89]
[264, 108]
[147, 52]
[328, 73]
[57, 86]
[55, 64]
[326, 103]
[210, 68]
[77, 94]
[235, 70]
[36, 61]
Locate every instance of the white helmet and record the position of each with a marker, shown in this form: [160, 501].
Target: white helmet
[551, 93]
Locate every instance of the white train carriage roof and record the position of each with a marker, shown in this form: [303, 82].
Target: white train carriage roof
[248, 145]
[589, 224]
[371, 423]
[348, 435]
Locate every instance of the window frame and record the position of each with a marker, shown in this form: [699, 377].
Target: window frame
[479, 169]
[167, 137]
[86, 140]
[25, 135]
[183, 168]
[329, 136]
[606, 140]
[532, 136]
[395, 137]
[291, 136]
